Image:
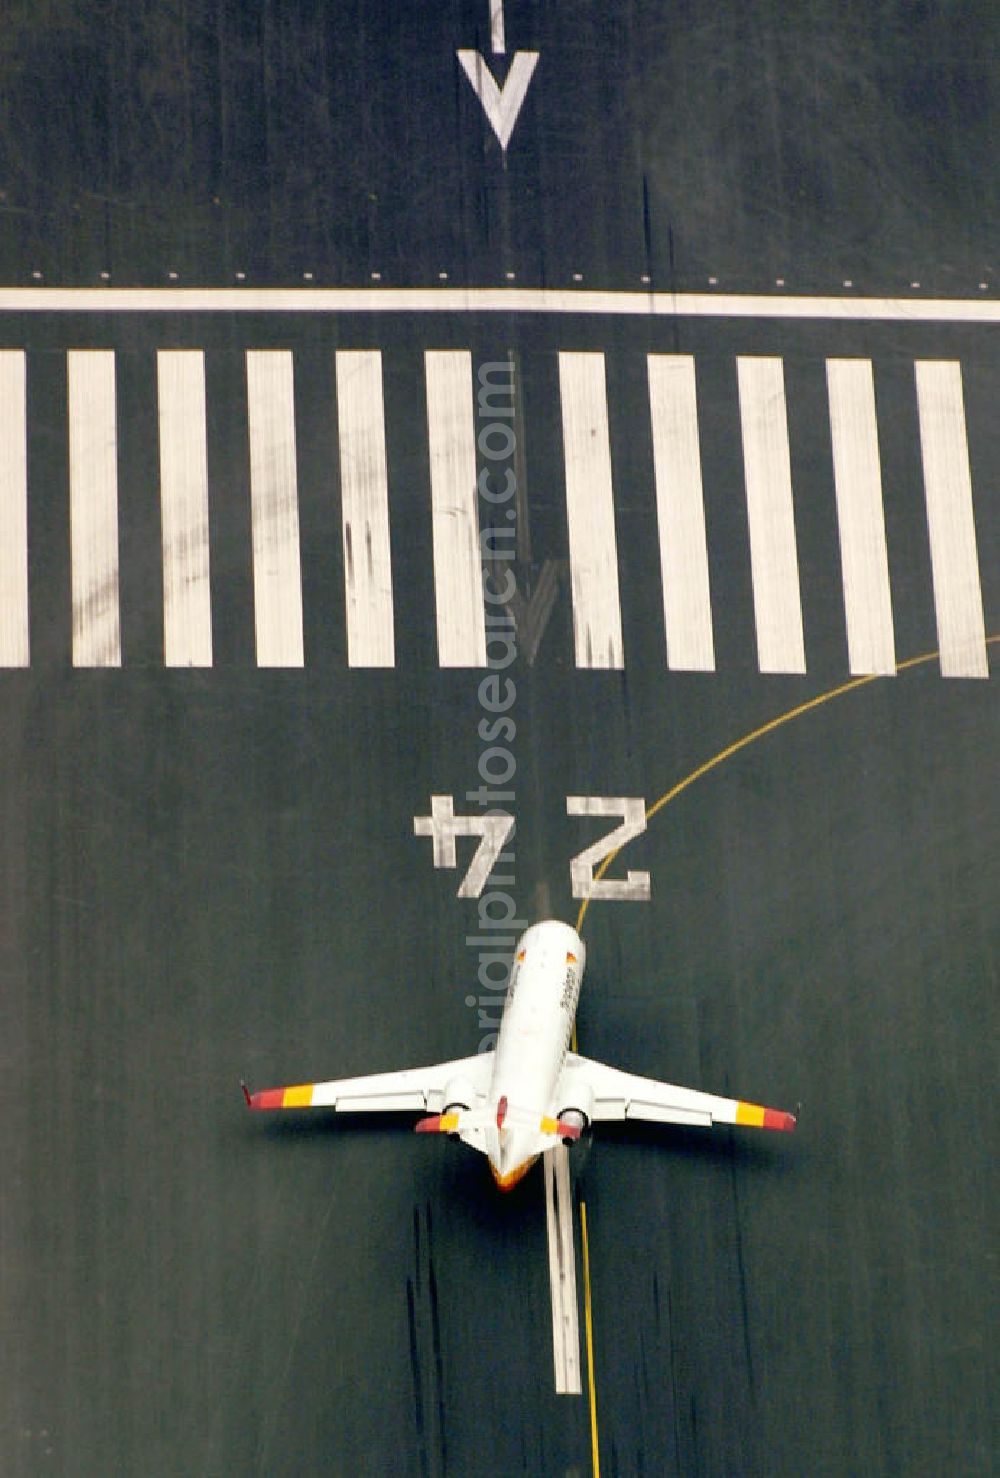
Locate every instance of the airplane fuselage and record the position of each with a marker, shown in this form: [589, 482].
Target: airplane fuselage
[532, 1043]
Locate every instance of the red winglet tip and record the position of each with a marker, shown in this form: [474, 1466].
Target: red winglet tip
[430, 1125]
[777, 1119]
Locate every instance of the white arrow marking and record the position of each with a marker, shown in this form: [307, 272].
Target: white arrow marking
[497, 39]
[500, 104]
[532, 616]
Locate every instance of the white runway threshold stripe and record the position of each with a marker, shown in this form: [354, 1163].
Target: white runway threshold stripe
[277, 573]
[773, 553]
[187, 602]
[364, 492]
[861, 520]
[93, 499]
[14, 632]
[458, 576]
[951, 525]
[562, 1273]
[590, 513]
[680, 508]
[642, 304]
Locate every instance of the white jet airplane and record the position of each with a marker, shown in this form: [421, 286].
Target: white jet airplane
[532, 1094]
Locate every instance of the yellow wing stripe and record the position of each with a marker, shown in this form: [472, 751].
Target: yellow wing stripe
[300, 1096]
[750, 1113]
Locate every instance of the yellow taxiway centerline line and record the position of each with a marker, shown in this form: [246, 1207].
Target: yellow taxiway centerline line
[682, 785]
[588, 1324]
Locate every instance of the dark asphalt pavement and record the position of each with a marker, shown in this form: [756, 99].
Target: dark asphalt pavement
[212, 874]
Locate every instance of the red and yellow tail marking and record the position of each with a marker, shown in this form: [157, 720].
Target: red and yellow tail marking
[437, 1124]
[559, 1126]
[758, 1117]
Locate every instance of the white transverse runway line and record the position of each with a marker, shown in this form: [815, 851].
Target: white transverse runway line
[680, 507]
[277, 573]
[93, 498]
[858, 480]
[14, 636]
[187, 602]
[562, 1273]
[590, 513]
[364, 493]
[458, 577]
[948, 490]
[773, 555]
[492, 300]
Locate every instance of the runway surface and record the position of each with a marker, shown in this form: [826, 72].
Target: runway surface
[242, 637]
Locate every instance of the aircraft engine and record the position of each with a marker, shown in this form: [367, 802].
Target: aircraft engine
[458, 1094]
[580, 1107]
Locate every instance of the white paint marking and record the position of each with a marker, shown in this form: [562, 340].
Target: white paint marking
[858, 480]
[458, 576]
[443, 827]
[93, 495]
[680, 507]
[951, 524]
[773, 556]
[187, 601]
[562, 1273]
[634, 887]
[492, 300]
[590, 514]
[555, 1279]
[365, 509]
[498, 40]
[277, 577]
[500, 104]
[14, 635]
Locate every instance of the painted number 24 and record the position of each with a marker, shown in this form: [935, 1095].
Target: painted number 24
[444, 828]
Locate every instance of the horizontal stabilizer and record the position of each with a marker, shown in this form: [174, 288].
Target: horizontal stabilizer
[562, 1127]
[437, 1124]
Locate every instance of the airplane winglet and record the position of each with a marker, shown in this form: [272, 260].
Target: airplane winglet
[246, 1093]
[758, 1117]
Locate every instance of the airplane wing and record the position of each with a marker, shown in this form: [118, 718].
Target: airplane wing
[418, 1088]
[618, 1095]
